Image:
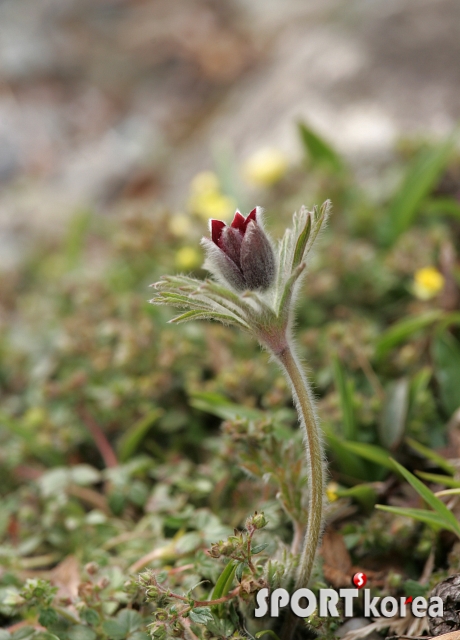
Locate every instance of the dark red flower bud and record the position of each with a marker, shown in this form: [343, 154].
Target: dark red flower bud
[241, 252]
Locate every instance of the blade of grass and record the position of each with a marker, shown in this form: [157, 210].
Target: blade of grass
[133, 436]
[446, 356]
[346, 400]
[219, 406]
[442, 206]
[349, 464]
[447, 481]
[224, 582]
[448, 492]
[365, 494]
[370, 452]
[417, 184]
[261, 634]
[431, 455]
[402, 330]
[423, 515]
[318, 150]
[435, 503]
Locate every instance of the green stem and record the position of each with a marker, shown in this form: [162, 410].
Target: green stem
[314, 454]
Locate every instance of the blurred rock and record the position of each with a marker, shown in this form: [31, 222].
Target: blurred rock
[96, 92]
[449, 591]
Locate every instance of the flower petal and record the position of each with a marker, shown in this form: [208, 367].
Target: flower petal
[223, 267]
[251, 217]
[257, 258]
[238, 221]
[230, 243]
[216, 227]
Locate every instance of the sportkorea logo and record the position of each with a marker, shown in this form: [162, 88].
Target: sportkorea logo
[304, 602]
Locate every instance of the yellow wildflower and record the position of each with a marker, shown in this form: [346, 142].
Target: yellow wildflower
[331, 491]
[212, 205]
[205, 182]
[265, 167]
[188, 258]
[207, 200]
[428, 282]
[180, 225]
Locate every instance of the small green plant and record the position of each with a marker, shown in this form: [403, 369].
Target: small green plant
[175, 612]
[256, 290]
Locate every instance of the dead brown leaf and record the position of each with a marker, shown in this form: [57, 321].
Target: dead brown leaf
[337, 565]
[66, 576]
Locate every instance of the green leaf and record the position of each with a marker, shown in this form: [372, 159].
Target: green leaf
[301, 243]
[446, 356]
[189, 542]
[90, 616]
[318, 150]
[349, 464]
[261, 634]
[417, 184]
[448, 320]
[81, 632]
[126, 622]
[442, 206]
[201, 615]
[435, 503]
[133, 436]
[131, 620]
[287, 290]
[222, 586]
[404, 329]
[220, 627]
[394, 413]
[219, 406]
[84, 474]
[47, 617]
[114, 630]
[365, 494]
[23, 633]
[370, 452]
[239, 571]
[345, 389]
[418, 385]
[447, 481]
[259, 548]
[423, 515]
[438, 460]
[207, 315]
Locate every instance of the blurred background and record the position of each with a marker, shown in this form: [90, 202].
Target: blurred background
[109, 99]
[129, 443]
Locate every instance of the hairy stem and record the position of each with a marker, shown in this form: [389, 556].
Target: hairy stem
[314, 454]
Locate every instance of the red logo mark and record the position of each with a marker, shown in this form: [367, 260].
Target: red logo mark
[409, 599]
[359, 579]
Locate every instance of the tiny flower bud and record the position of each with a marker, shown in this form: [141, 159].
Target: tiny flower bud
[258, 520]
[241, 253]
[214, 551]
[161, 615]
[228, 547]
[91, 568]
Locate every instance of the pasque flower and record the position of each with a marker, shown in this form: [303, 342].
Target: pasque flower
[261, 300]
[241, 254]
